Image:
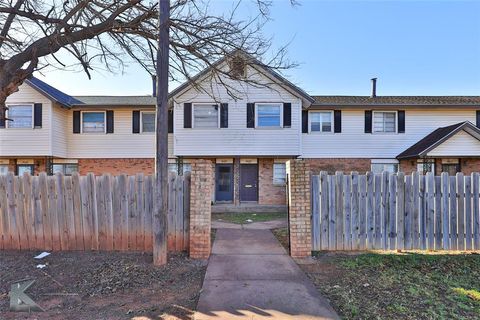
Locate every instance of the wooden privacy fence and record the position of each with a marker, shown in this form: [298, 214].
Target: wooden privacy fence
[89, 212]
[395, 212]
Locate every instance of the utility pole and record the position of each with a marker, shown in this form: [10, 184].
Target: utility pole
[161, 157]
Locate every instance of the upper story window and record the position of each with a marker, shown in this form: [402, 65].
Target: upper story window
[148, 122]
[21, 116]
[321, 121]
[205, 116]
[93, 122]
[269, 115]
[384, 121]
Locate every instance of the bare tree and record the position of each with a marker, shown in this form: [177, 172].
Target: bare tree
[36, 34]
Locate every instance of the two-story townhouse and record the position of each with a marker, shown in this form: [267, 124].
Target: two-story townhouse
[248, 135]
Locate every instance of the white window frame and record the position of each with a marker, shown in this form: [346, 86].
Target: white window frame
[279, 104]
[206, 104]
[276, 183]
[141, 122]
[385, 162]
[384, 111]
[104, 121]
[320, 132]
[64, 164]
[7, 122]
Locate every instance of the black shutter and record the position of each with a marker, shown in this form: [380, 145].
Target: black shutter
[304, 121]
[337, 121]
[401, 121]
[2, 120]
[287, 115]
[136, 121]
[76, 121]
[368, 121]
[110, 121]
[37, 115]
[187, 115]
[224, 115]
[250, 115]
[478, 119]
[170, 121]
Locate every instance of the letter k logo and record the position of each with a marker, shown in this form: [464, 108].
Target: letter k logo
[19, 301]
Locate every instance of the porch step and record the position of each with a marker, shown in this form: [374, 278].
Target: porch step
[247, 207]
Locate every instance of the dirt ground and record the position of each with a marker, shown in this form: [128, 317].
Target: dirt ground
[103, 285]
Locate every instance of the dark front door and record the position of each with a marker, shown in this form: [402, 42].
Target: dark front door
[248, 182]
[224, 182]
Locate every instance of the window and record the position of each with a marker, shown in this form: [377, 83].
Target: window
[172, 167]
[148, 122]
[384, 121]
[93, 122]
[21, 116]
[205, 116]
[22, 168]
[451, 168]
[321, 121]
[424, 166]
[381, 165]
[65, 168]
[3, 169]
[279, 173]
[269, 115]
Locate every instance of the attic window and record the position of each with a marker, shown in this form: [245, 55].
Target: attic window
[238, 68]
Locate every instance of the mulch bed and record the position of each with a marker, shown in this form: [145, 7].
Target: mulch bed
[103, 285]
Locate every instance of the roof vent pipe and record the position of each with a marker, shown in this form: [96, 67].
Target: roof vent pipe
[154, 85]
[374, 87]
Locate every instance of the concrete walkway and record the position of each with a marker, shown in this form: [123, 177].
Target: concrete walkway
[250, 276]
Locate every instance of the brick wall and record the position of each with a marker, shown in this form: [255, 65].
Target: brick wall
[268, 193]
[299, 208]
[408, 166]
[200, 208]
[467, 165]
[361, 165]
[114, 166]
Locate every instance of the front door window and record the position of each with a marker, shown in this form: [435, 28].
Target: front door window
[224, 182]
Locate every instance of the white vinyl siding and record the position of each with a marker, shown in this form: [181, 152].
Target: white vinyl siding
[21, 116]
[461, 144]
[93, 122]
[279, 173]
[27, 142]
[148, 122]
[120, 144]
[268, 115]
[238, 140]
[384, 121]
[355, 143]
[321, 121]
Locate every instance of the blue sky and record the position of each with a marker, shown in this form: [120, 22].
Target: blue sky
[413, 47]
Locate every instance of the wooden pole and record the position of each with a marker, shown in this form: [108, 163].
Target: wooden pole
[161, 161]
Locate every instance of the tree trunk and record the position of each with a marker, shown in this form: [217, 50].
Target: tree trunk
[161, 161]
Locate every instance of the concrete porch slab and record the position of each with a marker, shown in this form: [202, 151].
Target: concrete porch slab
[247, 207]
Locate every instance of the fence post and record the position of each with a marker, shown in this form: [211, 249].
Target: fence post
[200, 208]
[299, 208]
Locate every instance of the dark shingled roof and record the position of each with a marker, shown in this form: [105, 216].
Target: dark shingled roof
[396, 100]
[435, 138]
[52, 93]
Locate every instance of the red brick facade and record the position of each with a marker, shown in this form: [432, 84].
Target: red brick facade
[268, 192]
[115, 166]
[345, 165]
[467, 165]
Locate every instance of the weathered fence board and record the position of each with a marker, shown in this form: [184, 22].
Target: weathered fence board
[89, 212]
[395, 212]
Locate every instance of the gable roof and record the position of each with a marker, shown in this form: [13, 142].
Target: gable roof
[396, 100]
[116, 100]
[437, 137]
[52, 93]
[274, 74]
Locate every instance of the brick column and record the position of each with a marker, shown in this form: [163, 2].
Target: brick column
[200, 208]
[299, 208]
